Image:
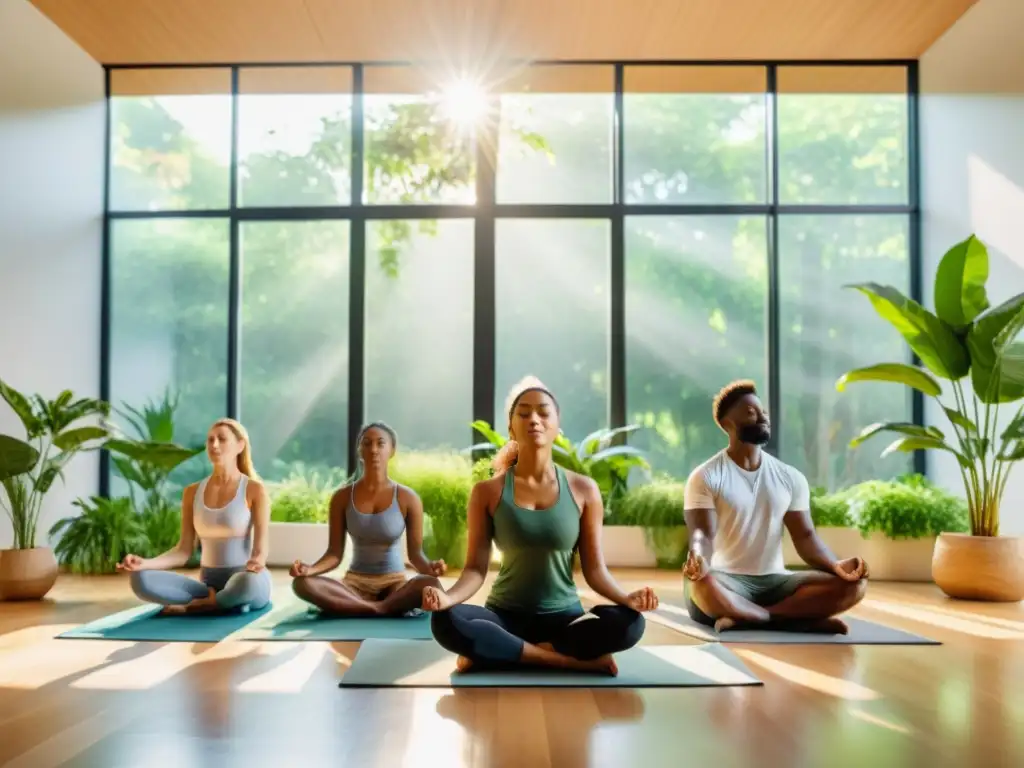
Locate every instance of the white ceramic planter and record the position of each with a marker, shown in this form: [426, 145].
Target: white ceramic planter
[888, 559]
[625, 546]
[300, 541]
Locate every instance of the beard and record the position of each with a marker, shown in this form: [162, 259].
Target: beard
[754, 434]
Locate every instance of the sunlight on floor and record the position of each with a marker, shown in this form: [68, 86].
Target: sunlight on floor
[291, 676]
[815, 681]
[975, 626]
[51, 660]
[867, 717]
[701, 662]
[156, 667]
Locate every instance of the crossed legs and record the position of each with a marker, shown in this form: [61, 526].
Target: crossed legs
[333, 597]
[570, 640]
[237, 589]
[813, 602]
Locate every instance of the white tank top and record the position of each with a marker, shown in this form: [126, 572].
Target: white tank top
[226, 533]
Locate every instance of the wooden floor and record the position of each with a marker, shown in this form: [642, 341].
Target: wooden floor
[100, 703]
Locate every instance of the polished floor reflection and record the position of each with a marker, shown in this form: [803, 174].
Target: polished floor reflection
[107, 703]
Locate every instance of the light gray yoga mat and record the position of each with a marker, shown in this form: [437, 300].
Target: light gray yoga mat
[417, 664]
[861, 633]
[297, 622]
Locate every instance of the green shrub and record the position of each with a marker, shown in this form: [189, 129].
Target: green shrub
[443, 482]
[304, 496]
[907, 508]
[658, 507]
[830, 510]
[99, 538]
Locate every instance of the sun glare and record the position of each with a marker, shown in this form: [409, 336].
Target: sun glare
[464, 102]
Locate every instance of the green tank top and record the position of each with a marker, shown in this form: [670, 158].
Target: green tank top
[536, 552]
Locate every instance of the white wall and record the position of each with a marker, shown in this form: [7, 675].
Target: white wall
[51, 207]
[972, 171]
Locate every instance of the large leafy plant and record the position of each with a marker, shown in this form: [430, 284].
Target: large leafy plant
[964, 337]
[55, 433]
[147, 521]
[594, 456]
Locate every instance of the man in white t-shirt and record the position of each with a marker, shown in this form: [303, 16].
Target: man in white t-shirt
[736, 505]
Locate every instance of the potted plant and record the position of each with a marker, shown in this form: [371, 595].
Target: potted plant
[28, 469]
[964, 337]
[646, 527]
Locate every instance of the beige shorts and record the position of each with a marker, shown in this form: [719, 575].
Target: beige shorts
[373, 586]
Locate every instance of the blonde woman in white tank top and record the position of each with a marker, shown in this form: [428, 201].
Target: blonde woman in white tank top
[228, 513]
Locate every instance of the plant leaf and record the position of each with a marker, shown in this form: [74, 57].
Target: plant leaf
[164, 455]
[22, 407]
[620, 451]
[960, 420]
[488, 433]
[911, 444]
[1013, 453]
[899, 373]
[932, 340]
[16, 457]
[900, 427]
[73, 439]
[960, 283]
[993, 351]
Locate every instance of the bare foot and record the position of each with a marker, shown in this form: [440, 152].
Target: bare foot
[173, 610]
[463, 664]
[724, 624]
[602, 665]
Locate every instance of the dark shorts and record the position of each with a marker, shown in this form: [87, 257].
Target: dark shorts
[767, 589]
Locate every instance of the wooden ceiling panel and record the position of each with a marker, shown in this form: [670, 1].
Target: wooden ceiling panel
[480, 33]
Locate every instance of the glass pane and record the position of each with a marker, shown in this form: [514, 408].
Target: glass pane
[420, 137]
[169, 322]
[696, 302]
[294, 355]
[843, 135]
[555, 136]
[827, 330]
[170, 139]
[419, 330]
[695, 135]
[552, 317]
[295, 136]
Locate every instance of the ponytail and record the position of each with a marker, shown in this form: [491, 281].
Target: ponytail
[245, 465]
[506, 457]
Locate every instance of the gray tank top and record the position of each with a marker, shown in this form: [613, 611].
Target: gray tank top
[225, 533]
[376, 538]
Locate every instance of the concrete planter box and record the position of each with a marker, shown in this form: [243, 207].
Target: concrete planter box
[887, 559]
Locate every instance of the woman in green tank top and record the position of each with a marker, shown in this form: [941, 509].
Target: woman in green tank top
[539, 515]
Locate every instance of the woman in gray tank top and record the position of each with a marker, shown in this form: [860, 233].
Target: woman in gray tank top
[374, 511]
[229, 514]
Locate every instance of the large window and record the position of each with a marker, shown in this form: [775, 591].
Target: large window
[696, 300]
[826, 330]
[552, 315]
[311, 248]
[419, 330]
[293, 374]
[169, 319]
[695, 135]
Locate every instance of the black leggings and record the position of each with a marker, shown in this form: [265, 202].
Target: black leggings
[496, 636]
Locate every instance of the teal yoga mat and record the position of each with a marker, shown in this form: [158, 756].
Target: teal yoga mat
[861, 632]
[415, 664]
[144, 623]
[297, 622]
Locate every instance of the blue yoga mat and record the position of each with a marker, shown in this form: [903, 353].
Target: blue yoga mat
[414, 664]
[300, 622]
[144, 623]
